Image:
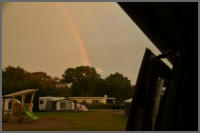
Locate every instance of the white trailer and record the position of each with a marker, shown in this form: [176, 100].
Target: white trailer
[55, 104]
[8, 103]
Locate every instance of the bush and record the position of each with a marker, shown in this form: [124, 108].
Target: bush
[99, 106]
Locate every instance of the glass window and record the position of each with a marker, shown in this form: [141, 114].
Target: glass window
[41, 101]
[95, 101]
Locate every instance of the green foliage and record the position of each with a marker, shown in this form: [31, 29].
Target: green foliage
[83, 80]
[118, 86]
[13, 79]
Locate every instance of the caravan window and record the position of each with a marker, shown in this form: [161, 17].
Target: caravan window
[41, 101]
[62, 105]
[95, 101]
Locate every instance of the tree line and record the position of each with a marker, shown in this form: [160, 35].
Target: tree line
[78, 81]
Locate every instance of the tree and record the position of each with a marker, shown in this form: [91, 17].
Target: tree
[41, 76]
[13, 79]
[100, 89]
[17, 79]
[118, 86]
[83, 80]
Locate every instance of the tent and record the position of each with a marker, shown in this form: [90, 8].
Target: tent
[127, 104]
[80, 107]
[128, 100]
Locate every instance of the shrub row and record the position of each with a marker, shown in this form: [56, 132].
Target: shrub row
[99, 106]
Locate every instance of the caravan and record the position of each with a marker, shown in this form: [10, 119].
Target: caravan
[56, 104]
[8, 103]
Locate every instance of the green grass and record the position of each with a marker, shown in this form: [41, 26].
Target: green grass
[93, 120]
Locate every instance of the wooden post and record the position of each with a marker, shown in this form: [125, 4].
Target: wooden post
[31, 102]
[22, 104]
[12, 109]
[3, 108]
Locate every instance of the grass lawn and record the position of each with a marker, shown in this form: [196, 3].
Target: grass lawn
[93, 120]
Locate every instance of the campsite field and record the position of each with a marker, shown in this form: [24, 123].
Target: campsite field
[93, 120]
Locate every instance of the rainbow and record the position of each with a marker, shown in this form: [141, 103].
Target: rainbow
[78, 36]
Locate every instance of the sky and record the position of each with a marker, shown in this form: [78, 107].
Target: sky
[54, 36]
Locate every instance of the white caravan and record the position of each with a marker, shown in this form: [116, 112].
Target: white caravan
[55, 104]
[8, 103]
